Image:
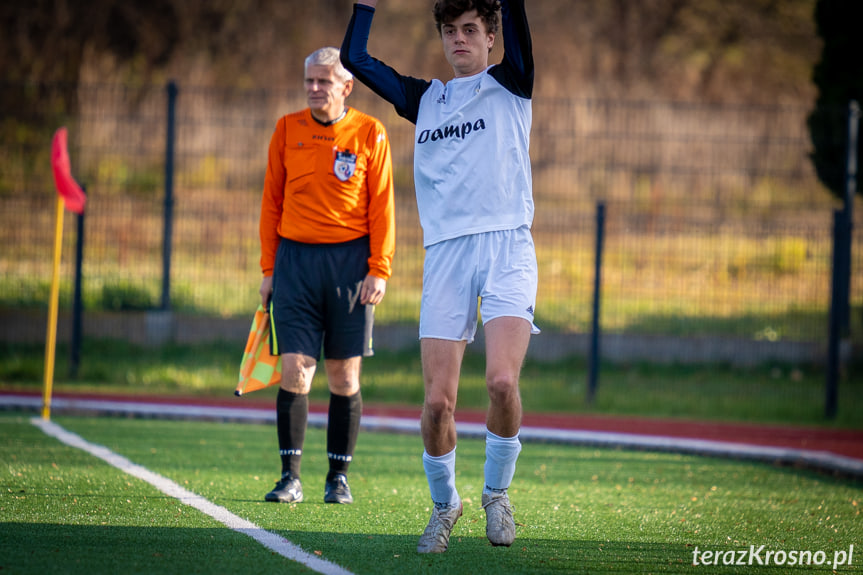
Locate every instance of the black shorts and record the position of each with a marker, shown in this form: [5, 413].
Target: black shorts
[315, 302]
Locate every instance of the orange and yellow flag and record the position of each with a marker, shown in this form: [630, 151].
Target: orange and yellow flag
[259, 369]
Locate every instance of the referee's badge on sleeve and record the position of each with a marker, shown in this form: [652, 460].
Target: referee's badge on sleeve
[344, 165]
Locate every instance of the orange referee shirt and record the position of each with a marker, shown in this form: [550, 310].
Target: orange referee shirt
[329, 184]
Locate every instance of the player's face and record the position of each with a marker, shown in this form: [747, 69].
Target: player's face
[466, 44]
[325, 93]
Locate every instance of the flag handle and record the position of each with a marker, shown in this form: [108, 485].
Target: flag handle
[51, 339]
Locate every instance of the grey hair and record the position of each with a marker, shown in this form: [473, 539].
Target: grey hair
[329, 57]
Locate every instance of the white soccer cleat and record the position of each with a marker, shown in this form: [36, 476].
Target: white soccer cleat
[435, 538]
[499, 526]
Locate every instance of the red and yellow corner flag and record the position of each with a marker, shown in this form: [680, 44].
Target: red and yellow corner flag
[70, 194]
[259, 369]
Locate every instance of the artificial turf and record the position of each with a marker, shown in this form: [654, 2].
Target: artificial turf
[578, 510]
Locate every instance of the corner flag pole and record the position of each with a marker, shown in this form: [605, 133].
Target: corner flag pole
[53, 305]
[69, 195]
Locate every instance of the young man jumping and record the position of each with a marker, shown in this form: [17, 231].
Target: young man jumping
[475, 201]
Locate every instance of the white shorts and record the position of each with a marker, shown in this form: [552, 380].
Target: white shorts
[498, 268]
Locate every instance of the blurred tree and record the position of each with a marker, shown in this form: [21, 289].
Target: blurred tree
[45, 40]
[758, 51]
[839, 79]
[44, 43]
[754, 51]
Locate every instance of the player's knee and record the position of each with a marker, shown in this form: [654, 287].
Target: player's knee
[439, 408]
[502, 386]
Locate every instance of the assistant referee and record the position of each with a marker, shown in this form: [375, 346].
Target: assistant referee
[327, 233]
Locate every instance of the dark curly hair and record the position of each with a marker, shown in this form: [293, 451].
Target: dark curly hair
[446, 11]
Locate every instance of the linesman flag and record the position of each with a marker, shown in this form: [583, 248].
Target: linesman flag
[259, 369]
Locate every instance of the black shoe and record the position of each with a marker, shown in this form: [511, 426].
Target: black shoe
[337, 490]
[288, 490]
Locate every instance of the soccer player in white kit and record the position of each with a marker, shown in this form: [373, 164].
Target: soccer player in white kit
[475, 201]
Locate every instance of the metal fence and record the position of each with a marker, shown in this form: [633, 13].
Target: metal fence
[716, 228]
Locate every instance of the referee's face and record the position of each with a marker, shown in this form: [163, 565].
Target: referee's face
[325, 93]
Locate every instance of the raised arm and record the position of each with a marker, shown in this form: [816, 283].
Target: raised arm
[516, 71]
[402, 92]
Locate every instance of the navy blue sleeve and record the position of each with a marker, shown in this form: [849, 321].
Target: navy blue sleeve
[515, 72]
[403, 92]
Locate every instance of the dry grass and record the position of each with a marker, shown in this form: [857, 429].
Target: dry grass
[668, 277]
[715, 221]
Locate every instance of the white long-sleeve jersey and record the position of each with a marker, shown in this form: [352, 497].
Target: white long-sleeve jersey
[471, 147]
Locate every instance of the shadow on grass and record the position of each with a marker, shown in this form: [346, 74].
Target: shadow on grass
[97, 549]
[40, 548]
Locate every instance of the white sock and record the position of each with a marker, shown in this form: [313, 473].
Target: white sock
[501, 454]
[440, 472]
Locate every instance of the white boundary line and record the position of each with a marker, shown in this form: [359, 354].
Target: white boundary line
[268, 539]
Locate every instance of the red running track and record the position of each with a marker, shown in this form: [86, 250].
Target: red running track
[844, 442]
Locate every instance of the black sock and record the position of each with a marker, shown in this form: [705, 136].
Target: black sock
[292, 415]
[343, 427]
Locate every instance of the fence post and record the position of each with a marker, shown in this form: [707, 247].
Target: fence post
[167, 235]
[851, 167]
[593, 374]
[848, 214]
[834, 323]
[839, 322]
[77, 303]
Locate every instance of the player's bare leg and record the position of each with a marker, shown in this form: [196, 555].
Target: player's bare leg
[441, 366]
[441, 360]
[507, 340]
